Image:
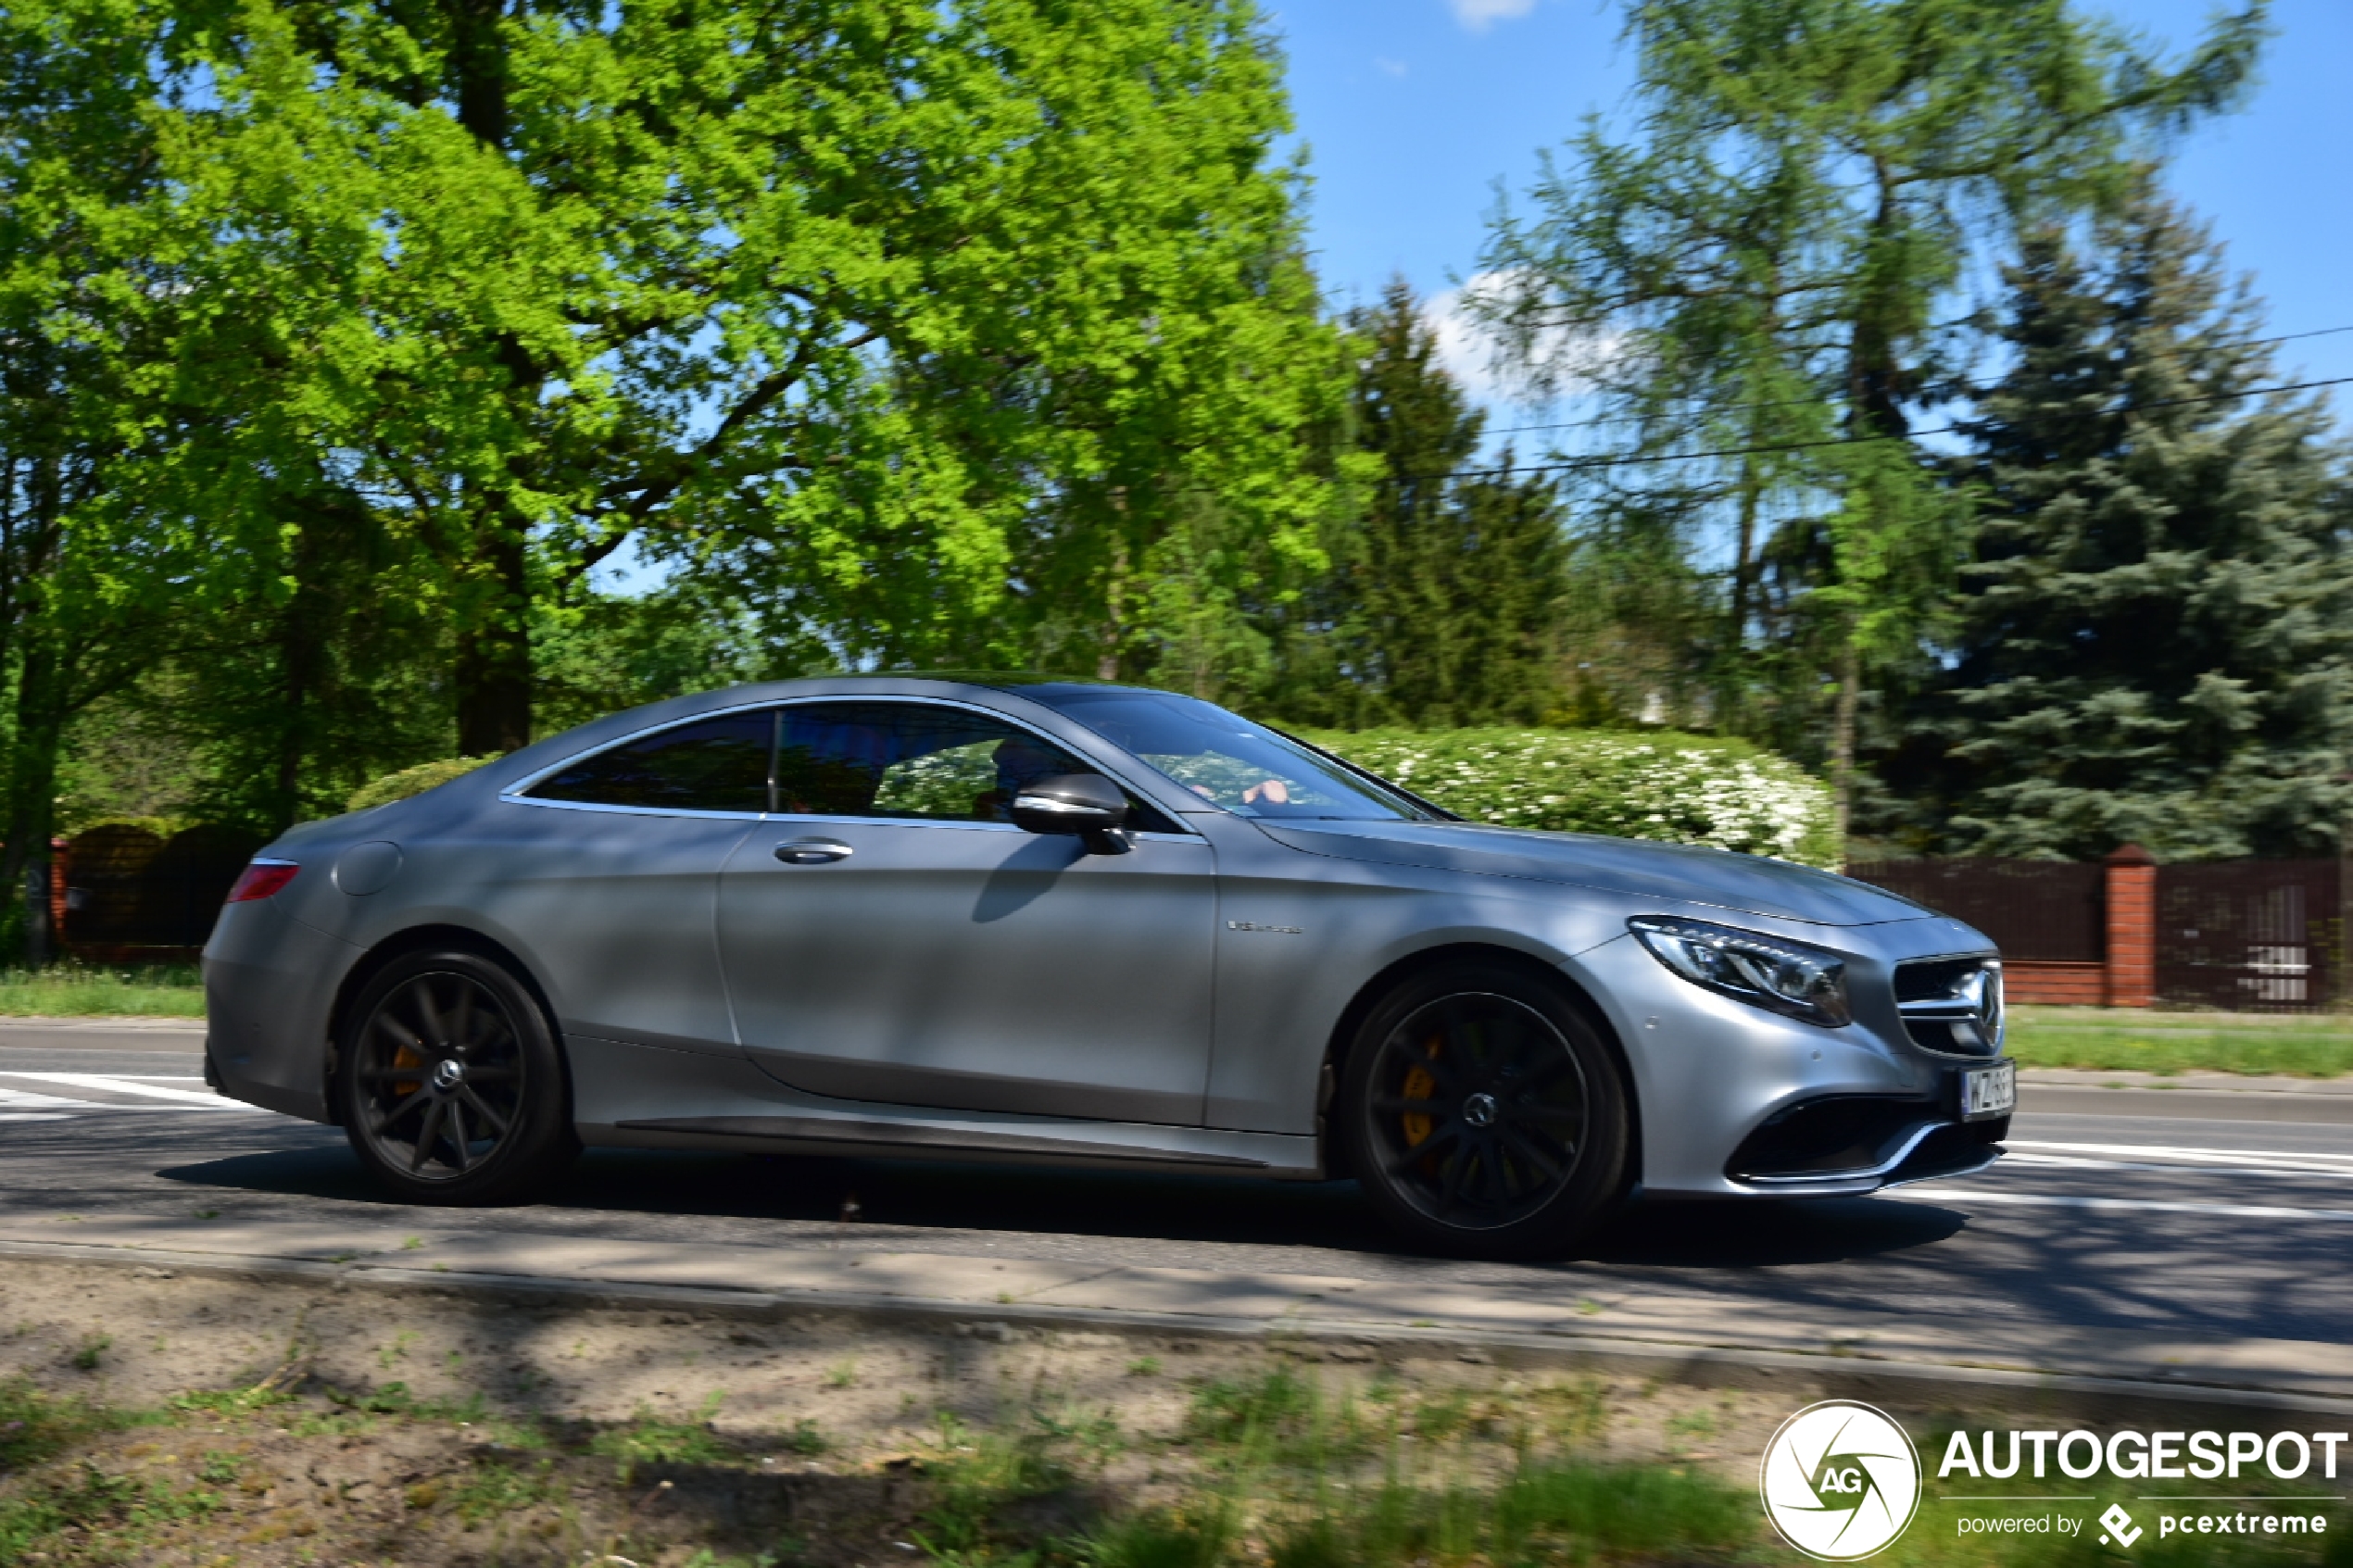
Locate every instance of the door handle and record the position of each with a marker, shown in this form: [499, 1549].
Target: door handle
[811, 852]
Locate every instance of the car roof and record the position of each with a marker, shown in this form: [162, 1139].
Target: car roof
[1003, 680]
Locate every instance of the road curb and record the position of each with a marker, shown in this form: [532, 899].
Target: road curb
[1911, 1384]
[2335, 1110]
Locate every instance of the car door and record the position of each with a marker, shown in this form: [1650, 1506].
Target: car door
[889, 936]
[607, 867]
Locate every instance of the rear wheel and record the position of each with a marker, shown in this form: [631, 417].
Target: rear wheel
[452, 1086]
[1484, 1115]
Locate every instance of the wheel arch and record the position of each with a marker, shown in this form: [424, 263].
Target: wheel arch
[417, 938]
[1551, 976]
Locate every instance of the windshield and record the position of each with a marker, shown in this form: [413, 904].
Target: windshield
[1246, 768]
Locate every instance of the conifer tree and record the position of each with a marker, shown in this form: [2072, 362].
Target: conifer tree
[1454, 592]
[2155, 638]
[1764, 255]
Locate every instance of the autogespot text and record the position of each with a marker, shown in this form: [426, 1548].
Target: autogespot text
[2136, 1455]
[2150, 1456]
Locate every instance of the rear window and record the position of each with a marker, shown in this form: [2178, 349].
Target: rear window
[711, 765]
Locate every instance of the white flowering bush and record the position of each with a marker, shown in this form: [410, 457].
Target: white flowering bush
[1676, 788]
[946, 783]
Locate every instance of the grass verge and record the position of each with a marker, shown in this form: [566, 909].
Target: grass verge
[1270, 1470]
[2092, 1038]
[75, 990]
[2169, 1043]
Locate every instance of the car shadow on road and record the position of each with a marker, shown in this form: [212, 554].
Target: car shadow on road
[618, 1191]
[1750, 1234]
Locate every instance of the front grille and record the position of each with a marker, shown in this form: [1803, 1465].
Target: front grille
[1951, 1006]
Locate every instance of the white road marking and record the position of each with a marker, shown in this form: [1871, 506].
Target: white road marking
[2074, 1162]
[2138, 1205]
[2304, 1157]
[144, 1098]
[48, 1102]
[124, 1085]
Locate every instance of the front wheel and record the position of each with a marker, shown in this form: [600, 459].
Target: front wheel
[450, 1084]
[1483, 1114]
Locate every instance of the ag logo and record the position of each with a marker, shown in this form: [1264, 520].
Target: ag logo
[1839, 1481]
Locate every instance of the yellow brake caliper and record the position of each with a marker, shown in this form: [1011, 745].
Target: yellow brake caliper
[1421, 1084]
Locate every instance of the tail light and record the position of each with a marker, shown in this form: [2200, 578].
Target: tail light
[261, 879]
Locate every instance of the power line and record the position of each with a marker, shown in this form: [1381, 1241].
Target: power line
[1575, 465]
[1796, 402]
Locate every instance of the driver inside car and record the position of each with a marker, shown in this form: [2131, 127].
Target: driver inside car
[1019, 762]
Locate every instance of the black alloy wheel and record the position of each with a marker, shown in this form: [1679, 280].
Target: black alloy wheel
[450, 1085]
[1483, 1114]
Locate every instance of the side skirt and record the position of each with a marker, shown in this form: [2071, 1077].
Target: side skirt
[634, 1095]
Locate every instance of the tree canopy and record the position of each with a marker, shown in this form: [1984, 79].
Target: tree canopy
[1754, 277]
[919, 314]
[2154, 639]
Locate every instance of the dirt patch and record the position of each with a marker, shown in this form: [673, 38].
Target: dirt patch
[216, 1419]
[134, 1337]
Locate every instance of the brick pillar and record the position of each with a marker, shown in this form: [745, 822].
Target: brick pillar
[2132, 927]
[60, 871]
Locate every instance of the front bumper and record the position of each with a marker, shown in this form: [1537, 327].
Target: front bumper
[1859, 1143]
[1734, 1101]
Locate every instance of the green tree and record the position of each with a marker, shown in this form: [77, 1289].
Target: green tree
[201, 566]
[91, 575]
[910, 319]
[1761, 267]
[2154, 639]
[601, 652]
[1447, 596]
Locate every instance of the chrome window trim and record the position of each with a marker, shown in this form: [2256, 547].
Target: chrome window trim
[834, 819]
[512, 795]
[510, 798]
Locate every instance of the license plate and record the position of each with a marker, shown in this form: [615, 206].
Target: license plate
[1989, 1091]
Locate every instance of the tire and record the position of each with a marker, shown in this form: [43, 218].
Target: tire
[1483, 1113]
[450, 1084]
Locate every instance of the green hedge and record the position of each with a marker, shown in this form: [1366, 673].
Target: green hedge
[412, 781]
[1659, 785]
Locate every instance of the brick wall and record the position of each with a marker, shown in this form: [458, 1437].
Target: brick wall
[2055, 985]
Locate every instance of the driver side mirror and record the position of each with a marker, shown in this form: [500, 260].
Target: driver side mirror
[1086, 804]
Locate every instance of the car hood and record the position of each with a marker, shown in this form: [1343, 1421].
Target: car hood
[1635, 868]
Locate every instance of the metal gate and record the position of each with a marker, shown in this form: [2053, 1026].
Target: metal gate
[2256, 936]
[2047, 912]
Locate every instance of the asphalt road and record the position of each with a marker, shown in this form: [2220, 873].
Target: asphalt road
[2193, 1225]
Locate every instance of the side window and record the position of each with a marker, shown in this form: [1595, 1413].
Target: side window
[912, 760]
[712, 765]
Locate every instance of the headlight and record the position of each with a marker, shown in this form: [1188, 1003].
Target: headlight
[1784, 977]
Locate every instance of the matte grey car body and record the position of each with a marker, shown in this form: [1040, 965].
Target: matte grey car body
[758, 979]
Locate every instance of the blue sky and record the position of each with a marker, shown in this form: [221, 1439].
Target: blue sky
[1414, 111]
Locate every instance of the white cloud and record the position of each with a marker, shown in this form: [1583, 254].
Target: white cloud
[1465, 349]
[1472, 354]
[1480, 14]
[1388, 66]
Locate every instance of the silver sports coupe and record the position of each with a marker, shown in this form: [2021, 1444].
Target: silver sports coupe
[985, 916]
